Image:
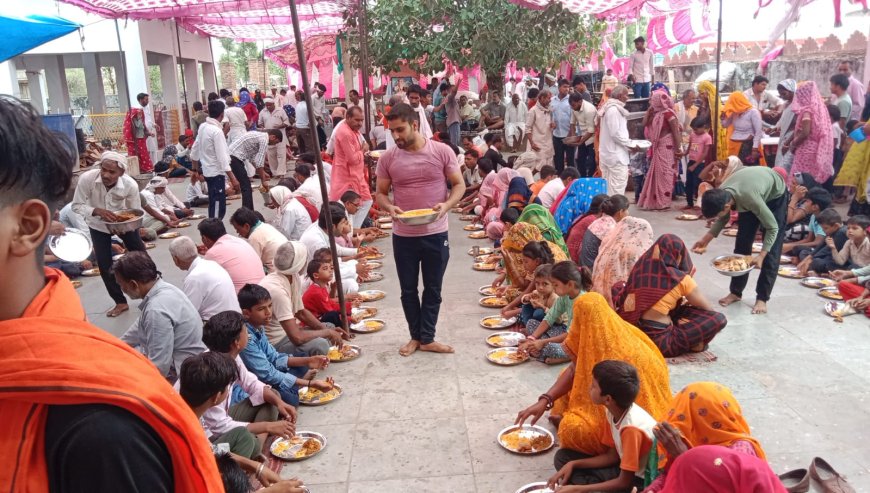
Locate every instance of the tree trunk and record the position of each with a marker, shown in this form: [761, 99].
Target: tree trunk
[494, 82]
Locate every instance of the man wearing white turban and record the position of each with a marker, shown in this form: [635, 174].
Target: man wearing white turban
[293, 328]
[101, 193]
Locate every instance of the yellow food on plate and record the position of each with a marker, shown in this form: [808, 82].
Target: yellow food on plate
[373, 324]
[493, 322]
[477, 235]
[732, 264]
[346, 352]
[523, 441]
[417, 213]
[494, 301]
[315, 395]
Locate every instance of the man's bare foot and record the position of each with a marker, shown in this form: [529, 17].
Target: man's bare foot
[556, 361]
[409, 348]
[759, 308]
[119, 309]
[436, 347]
[731, 298]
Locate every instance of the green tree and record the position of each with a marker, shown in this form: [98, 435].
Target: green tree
[239, 54]
[468, 32]
[622, 40]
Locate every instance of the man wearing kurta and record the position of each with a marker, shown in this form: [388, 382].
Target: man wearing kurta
[614, 142]
[348, 170]
[539, 129]
[273, 117]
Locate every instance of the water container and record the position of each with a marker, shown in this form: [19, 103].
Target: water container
[858, 135]
[63, 127]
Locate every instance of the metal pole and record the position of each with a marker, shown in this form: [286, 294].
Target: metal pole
[183, 83]
[312, 127]
[123, 63]
[214, 68]
[714, 115]
[364, 65]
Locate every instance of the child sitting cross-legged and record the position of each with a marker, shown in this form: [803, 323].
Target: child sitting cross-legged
[820, 260]
[203, 382]
[250, 403]
[535, 305]
[534, 255]
[856, 252]
[628, 436]
[544, 339]
[319, 298]
[283, 372]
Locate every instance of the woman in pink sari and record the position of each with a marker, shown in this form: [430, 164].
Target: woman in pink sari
[812, 142]
[663, 129]
[492, 209]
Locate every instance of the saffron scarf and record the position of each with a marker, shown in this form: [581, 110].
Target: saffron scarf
[47, 358]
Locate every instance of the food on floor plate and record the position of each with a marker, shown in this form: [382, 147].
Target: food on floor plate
[831, 293]
[477, 235]
[507, 356]
[790, 271]
[315, 397]
[304, 445]
[473, 227]
[368, 326]
[483, 266]
[493, 302]
[487, 290]
[526, 439]
[818, 282]
[91, 272]
[372, 295]
[169, 235]
[688, 217]
[505, 339]
[346, 352]
[496, 322]
[362, 312]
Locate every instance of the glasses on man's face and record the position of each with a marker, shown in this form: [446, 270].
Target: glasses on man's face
[356, 204]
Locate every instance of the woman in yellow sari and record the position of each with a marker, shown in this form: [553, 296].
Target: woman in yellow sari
[703, 413]
[855, 173]
[515, 239]
[709, 100]
[597, 333]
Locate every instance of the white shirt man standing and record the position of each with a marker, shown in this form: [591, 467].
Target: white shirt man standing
[207, 285]
[855, 90]
[583, 126]
[515, 121]
[539, 129]
[212, 157]
[100, 193]
[275, 118]
[641, 67]
[614, 141]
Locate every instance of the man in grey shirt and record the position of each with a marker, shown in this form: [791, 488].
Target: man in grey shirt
[169, 329]
[493, 112]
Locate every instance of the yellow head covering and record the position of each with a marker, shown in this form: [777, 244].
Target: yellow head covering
[597, 333]
[707, 90]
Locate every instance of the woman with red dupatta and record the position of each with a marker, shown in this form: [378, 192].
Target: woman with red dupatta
[652, 298]
[136, 135]
[664, 130]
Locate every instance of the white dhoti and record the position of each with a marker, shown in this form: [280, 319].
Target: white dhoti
[616, 175]
[277, 157]
[514, 131]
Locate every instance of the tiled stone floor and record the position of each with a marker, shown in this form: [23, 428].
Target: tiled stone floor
[428, 423]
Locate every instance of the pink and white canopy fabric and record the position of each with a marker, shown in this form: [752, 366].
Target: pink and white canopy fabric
[615, 9]
[318, 49]
[682, 27]
[243, 20]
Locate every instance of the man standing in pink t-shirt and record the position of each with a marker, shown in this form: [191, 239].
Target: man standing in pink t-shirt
[348, 170]
[418, 170]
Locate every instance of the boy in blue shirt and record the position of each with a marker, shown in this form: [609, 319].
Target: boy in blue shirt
[283, 372]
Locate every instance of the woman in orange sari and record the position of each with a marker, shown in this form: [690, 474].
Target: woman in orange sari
[703, 413]
[743, 126]
[597, 333]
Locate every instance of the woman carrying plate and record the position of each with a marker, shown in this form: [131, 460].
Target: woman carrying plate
[663, 129]
[597, 333]
[652, 299]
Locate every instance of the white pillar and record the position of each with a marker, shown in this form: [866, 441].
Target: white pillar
[191, 80]
[94, 83]
[9, 78]
[35, 86]
[208, 77]
[55, 79]
[169, 80]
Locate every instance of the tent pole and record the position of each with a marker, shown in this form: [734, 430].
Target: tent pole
[714, 115]
[183, 82]
[312, 127]
[364, 66]
[123, 63]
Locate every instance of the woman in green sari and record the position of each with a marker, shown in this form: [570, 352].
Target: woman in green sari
[538, 216]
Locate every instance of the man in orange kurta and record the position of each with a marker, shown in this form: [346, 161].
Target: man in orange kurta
[81, 410]
[348, 168]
